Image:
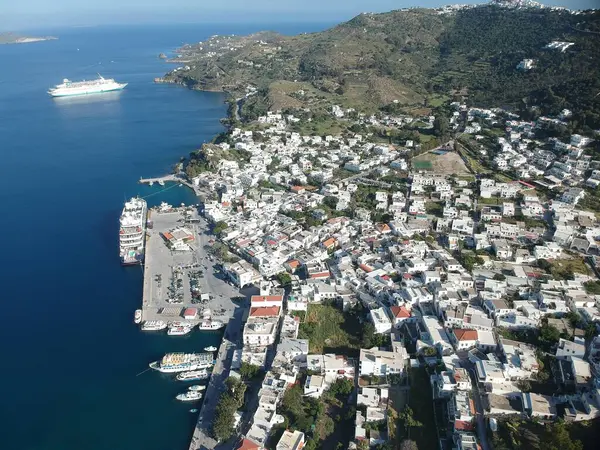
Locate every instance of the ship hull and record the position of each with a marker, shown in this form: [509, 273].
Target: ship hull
[86, 92]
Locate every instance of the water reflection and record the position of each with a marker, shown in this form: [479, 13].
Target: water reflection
[103, 97]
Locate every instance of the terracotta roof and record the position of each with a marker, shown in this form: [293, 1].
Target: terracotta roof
[366, 268]
[168, 236]
[247, 444]
[298, 188]
[329, 242]
[294, 263]
[461, 425]
[465, 335]
[400, 312]
[264, 311]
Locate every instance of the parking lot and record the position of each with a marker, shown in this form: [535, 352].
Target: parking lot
[175, 280]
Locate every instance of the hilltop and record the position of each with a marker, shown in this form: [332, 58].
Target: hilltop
[411, 58]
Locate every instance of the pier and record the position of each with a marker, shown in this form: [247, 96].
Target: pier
[202, 439]
[172, 177]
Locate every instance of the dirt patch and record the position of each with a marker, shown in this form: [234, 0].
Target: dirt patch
[448, 164]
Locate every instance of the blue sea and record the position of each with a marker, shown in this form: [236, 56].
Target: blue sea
[71, 355]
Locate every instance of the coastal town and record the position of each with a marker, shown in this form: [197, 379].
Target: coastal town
[394, 294]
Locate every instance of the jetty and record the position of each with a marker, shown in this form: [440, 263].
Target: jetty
[202, 438]
[166, 178]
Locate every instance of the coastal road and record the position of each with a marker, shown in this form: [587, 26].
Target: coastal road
[202, 439]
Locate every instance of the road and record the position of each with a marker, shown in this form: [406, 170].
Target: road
[202, 438]
[480, 413]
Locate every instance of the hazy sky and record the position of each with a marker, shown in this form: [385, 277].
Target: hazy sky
[27, 14]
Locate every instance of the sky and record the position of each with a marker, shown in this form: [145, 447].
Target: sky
[31, 14]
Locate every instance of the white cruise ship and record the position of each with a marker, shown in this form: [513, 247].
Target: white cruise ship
[132, 234]
[180, 362]
[68, 87]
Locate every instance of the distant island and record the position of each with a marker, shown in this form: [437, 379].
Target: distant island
[12, 38]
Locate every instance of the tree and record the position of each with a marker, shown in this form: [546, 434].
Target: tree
[592, 287]
[219, 227]
[549, 335]
[544, 264]
[249, 371]
[499, 277]
[407, 444]
[284, 278]
[330, 202]
[440, 125]
[368, 335]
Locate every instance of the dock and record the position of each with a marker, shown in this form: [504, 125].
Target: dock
[171, 177]
[202, 438]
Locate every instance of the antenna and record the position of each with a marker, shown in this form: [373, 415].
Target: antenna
[101, 77]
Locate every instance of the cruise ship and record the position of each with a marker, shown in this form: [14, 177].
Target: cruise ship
[132, 233]
[181, 362]
[68, 88]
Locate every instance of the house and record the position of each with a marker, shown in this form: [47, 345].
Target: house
[572, 196]
[380, 320]
[314, 386]
[291, 440]
[463, 339]
[247, 444]
[399, 314]
[567, 348]
[382, 362]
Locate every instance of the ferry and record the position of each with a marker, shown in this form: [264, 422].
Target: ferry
[196, 387]
[154, 325]
[210, 325]
[210, 349]
[132, 232]
[138, 316]
[69, 88]
[193, 375]
[181, 362]
[189, 396]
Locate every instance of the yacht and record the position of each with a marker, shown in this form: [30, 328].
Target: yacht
[189, 396]
[193, 375]
[196, 387]
[154, 325]
[138, 316]
[69, 88]
[181, 362]
[132, 232]
[210, 349]
[210, 325]
[179, 330]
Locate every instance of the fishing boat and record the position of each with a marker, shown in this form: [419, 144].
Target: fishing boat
[196, 387]
[138, 316]
[182, 362]
[193, 375]
[189, 396]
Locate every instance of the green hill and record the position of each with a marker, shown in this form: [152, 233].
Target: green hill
[413, 59]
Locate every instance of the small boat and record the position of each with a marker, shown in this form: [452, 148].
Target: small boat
[210, 349]
[154, 325]
[196, 387]
[193, 375]
[138, 316]
[193, 410]
[151, 183]
[189, 396]
[161, 182]
[210, 325]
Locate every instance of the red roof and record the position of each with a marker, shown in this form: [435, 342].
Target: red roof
[461, 425]
[190, 312]
[294, 263]
[247, 444]
[329, 242]
[366, 268]
[168, 236]
[465, 335]
[400, 312]
[264, 311]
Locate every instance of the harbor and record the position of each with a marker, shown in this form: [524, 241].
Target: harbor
[185, 289]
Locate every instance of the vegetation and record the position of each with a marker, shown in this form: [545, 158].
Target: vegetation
[330, 329]
[516, 434]
[229, 402]
[592, 287]
[249, 371]
[284, 278]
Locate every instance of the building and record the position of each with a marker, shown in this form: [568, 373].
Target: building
[291, 440]
[314, 386]
[463, 339]
[381, 362]
[242, 273]
[380, 320]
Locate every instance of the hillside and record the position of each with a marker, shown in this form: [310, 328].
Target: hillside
[12, 38]
[412, 58]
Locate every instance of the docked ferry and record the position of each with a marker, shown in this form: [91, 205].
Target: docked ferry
[69, 88]
[181, 362]
[154, 325]
[210, 325]
[132, 232]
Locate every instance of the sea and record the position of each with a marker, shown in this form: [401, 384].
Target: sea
[73, 364]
